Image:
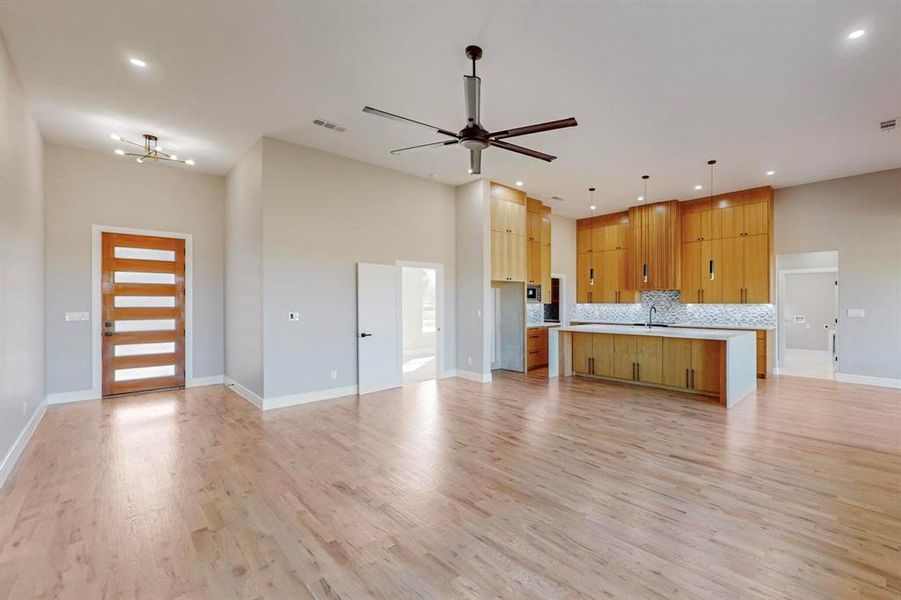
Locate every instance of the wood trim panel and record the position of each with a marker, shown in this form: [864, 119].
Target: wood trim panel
[144, 360]
[147, 337]
[143, 289]
[146, 266]
[143, 313]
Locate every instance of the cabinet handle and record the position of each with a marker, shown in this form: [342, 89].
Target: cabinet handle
[644, 272]
[686, 379]
[638, 369]
[692, 379]
[633, 371]
[702, 296]
[711, 270]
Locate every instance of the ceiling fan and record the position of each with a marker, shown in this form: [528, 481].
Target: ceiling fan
[474, 137]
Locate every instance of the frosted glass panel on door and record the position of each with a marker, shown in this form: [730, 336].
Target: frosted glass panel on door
[144, 254]
[144, 349]
[146, 325]
[140, 277]
[144, 372]
[144, 301]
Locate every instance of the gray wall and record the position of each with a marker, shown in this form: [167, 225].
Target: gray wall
[860, 217]
[811, 295]
[244, 271]
[472, 234]
[86, 188]
[22, 261]
[322, 214]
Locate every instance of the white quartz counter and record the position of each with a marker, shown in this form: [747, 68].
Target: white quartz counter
[676, 332]
[693, 325]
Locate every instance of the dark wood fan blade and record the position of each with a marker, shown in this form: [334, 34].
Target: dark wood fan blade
[475, 162]
[549, 126]
[521, 150]
[424, 147]
[393, 117]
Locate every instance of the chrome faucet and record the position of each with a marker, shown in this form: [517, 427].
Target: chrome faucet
[651, 312]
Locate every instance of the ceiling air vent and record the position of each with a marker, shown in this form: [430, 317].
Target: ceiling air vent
[888, 125]
[329, 125]
[558, 199]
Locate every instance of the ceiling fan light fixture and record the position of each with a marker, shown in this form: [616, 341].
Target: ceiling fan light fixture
[119, 151]
[474, 136]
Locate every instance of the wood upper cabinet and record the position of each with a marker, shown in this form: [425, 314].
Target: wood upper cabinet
[583, 235]
[616, 236]
[508, 234]
[711, 271]
[702, 224]
[508, 256]
[690, 291]
[533, 220]
[534, 261]
[745, 275]
[654, 245]
[746, 219]
[546, 288]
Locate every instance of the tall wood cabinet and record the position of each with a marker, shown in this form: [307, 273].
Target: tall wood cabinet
[508, 234]
[602, 260]
[654, 243]
[726, 248]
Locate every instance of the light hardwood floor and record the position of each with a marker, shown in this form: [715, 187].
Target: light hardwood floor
[515, 489]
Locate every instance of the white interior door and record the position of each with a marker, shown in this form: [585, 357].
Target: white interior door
[378, 328]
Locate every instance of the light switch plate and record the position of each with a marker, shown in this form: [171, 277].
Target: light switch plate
[294, 316]
[78, 316]
[856, 313]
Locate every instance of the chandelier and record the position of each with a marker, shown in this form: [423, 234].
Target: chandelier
[150, 150]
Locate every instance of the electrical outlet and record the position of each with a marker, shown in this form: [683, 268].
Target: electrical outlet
[294, 316]
[469, 360]
[334, 374]
[24, 408]
[856, 313]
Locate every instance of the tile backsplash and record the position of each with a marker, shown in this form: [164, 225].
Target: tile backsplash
[671, 310]
[534, 314]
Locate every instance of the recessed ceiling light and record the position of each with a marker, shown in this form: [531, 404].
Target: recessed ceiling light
[137, 62]
[116, 137]
[173, 157]
[592, 207]
[469, 171]
[518, 184]
[698, 187]
[640, 198]
[771, 172]
[139, 159]
[189, 162]
[857, 33]
[120, 151]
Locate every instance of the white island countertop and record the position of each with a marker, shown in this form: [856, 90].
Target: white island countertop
[676, 332]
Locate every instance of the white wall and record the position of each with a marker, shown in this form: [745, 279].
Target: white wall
[474, 296]
[22, 264]
[244, 271]
[563, 258]
[322, 214]
[85, 188]
[860, 217]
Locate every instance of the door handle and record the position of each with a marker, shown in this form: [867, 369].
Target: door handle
[686, 379]
[363, 335]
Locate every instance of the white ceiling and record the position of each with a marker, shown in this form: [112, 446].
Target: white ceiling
[657, 88]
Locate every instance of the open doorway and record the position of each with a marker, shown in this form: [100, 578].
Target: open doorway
[808, 310]
[419, 306]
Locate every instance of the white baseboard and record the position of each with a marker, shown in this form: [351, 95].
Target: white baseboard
[9, 461]
[889, 382]
[76, 396]
[473, 376]
[243, 392]
[202, 381]
[294, 399]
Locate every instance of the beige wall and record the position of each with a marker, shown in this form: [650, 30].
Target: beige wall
[563, 258]
[322, 214]
[89, 188]
[244, 271]
[860, 217]
[22, 264]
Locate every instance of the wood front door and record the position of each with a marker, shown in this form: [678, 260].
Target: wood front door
[143, 295]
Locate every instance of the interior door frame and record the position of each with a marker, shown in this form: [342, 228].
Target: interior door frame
[441, 371]
[97, 232]
[780, 303]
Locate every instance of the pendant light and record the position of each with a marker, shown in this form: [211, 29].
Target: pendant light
[591, 208]
[644, 267]
[711, 266]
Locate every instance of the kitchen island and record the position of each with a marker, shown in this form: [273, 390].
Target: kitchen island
[709, 362]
